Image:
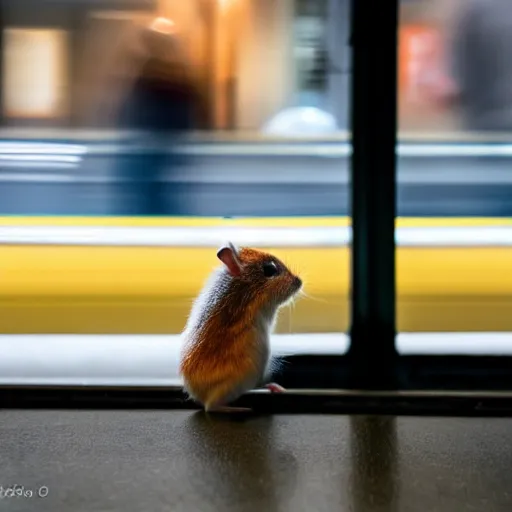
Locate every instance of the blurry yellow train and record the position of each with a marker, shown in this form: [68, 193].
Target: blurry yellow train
[126, 275]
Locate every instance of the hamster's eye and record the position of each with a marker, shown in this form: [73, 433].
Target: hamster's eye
[270, 269]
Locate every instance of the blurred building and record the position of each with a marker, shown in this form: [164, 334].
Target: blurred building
[425, 26]
[42, 48]
[277, 54]
[252, 58]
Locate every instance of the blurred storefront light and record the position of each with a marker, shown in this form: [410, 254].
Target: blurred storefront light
[225, 4]
[35, 56]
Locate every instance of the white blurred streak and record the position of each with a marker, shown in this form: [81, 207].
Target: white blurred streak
[41, 158]
[152, 360]
[336, 236]
[122, 359]
[41, 148]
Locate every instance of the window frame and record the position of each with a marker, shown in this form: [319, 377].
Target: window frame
[374, 376]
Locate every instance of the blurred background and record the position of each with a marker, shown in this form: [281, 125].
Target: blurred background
[154, 116]
[267, 82]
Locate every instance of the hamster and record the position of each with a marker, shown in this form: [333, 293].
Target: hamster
[226, 348]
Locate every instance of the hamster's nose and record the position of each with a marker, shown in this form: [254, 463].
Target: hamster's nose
[297, 282]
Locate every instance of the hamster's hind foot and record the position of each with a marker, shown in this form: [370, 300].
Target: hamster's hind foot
[275, 388]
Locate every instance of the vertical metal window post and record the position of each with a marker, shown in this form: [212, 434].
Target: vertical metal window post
[374, 124]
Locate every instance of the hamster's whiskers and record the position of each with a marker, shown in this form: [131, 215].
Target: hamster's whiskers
[291, 308]
[307, 296]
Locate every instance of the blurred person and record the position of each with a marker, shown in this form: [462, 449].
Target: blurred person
[160, 106]
[479, 78]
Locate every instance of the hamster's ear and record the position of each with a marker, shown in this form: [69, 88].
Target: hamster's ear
[228, 254]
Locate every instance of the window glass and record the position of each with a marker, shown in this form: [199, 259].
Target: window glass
[454, 265]
[200, 123]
